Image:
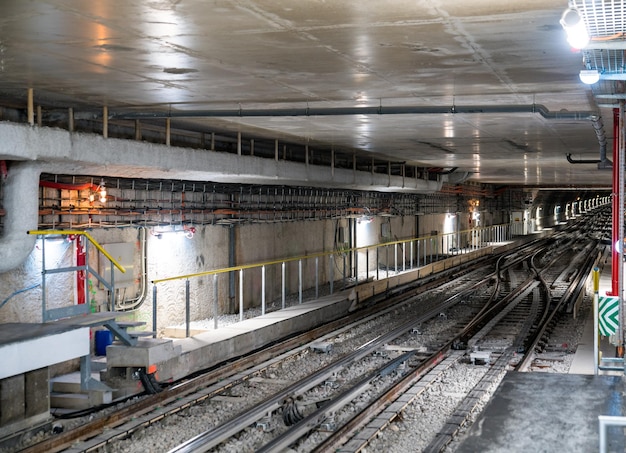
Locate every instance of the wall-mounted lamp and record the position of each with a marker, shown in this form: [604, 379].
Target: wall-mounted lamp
[103, 192]
[189, 232]
[574, 26]
[589, 76]
[100, 191]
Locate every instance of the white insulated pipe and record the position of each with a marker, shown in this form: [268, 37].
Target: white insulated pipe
[21, 205]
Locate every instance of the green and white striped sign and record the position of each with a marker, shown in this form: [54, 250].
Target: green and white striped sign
[608, 309]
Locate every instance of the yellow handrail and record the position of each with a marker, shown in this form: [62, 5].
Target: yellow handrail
[303, 257]
[82, 233]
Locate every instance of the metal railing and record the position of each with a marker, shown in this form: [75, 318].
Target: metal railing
[57, 313]
[407, 254]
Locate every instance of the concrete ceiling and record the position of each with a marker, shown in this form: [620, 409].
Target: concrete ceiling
[488, 60]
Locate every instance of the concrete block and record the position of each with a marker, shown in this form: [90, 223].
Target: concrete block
[181, 332]
[12, 404]
[36, 392]
[425, 271]
[147, 352]
[438, 266]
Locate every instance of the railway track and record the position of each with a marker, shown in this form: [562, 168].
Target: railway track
[512, 309]
[316, 401]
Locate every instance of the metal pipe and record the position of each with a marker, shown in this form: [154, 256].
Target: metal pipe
[615, 207]
[373, 110]
[582, 161]
[620, 268]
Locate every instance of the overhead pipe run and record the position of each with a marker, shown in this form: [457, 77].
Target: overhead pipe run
[21, 203]
[377, 110]
[603, 162]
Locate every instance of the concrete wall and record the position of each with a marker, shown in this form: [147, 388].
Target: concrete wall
[172, 254]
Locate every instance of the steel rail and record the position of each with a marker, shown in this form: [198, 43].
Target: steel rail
[213, 437]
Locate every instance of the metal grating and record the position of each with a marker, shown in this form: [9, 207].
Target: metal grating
[604, 18]
[607, 61]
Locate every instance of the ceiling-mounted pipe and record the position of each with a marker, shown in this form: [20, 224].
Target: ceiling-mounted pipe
[603, 162]
[21, 203]
[377, 110]
[581, 161]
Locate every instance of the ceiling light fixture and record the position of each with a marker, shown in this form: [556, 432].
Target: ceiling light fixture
[589, 76]
[575, 27]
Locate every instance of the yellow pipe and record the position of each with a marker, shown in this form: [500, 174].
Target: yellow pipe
[82, 233]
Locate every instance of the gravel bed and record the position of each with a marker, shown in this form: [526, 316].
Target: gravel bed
[413, 431]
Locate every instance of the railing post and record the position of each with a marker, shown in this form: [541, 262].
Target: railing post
[187, 309]
[154, 310]
[262, 290]
[283, 284]
[300, 281]
[395, 257]
[356, 267]
[387, 260]
[377, 261]
[112, 286]
[215, 305]
[331, 272]
[317, 277]
[44, 315]
[240, 294]
[344, 271]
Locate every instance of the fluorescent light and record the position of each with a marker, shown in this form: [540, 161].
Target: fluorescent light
[589, 76]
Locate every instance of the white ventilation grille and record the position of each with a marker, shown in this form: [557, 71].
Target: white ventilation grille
[604, 18]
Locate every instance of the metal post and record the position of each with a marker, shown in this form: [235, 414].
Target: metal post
[387, 261]
[596, 300]
[418, 253]
[395, 257]
[30, 109]
[620, 274]
[317, 277]
[240, 294]
[215, 306]
[377, 261]
[344, 271]
[262, 290]
[332, 272]
[404, 257]
[283, 284]
[300, 281]
[154, 310]
[82, 242]
[112, 285]
[187, 308]
[44, 315]
[367, 264]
